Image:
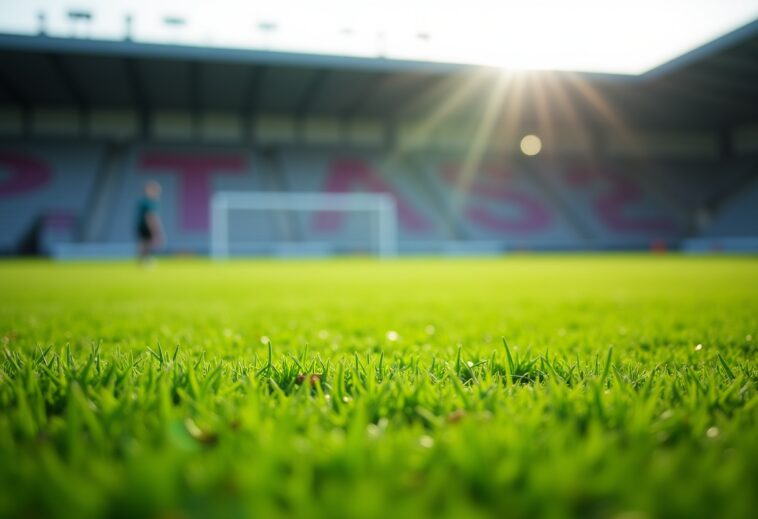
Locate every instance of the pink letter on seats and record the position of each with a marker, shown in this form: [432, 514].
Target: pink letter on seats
[195, 174]
[347, 173]
[496, 185]
[27, 174]
[618, 193]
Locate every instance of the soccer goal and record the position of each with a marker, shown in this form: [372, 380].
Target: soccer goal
[302, 224]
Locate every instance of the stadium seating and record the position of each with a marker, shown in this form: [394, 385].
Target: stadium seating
[45, 188]
[188, 177]
[738, 216]
[498, 201]
[323, 171]
[608, 204]
[55, 192]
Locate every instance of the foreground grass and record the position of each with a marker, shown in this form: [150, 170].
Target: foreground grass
[625, 387]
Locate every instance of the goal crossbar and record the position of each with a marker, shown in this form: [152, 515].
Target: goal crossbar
[223, 201]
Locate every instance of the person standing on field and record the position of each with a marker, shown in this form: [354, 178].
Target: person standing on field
[149, 228]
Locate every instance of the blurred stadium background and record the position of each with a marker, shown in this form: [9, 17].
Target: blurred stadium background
[479, 160]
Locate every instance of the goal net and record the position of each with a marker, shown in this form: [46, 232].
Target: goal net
[302, 224]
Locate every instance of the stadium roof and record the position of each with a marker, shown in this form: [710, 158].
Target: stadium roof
[580, 35]
[710, 87]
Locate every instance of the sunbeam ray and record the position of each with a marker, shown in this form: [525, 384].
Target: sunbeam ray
[607, 113]
[478, 147]
[512, 108]
[577, 124]
[424, 126]
[545, 122]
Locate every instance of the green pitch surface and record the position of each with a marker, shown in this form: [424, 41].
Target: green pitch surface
[627, 388]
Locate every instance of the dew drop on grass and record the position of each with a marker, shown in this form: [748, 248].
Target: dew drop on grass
[426, 442]
[698, 347]
[712, 432]
[392, 335]
[265, 339]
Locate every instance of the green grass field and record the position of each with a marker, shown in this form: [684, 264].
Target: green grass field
[627, 388]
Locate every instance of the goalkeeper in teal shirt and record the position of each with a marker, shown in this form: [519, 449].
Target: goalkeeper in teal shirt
[149, 228]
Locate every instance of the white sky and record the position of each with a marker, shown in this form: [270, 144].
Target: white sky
[585, 35]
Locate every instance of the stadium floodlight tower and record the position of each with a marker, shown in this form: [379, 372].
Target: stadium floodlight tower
[236, 208]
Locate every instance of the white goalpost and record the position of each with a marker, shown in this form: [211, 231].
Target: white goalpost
[229, 208]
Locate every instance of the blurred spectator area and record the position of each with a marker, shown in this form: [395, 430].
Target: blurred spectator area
[627, 162]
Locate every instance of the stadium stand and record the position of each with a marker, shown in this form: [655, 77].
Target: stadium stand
[53, 192]
[334, 172]
[738, 215]
[609, 205]
[85, 123]
[499, 202]
[504, 205]
[45, 191]
[189, 176]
